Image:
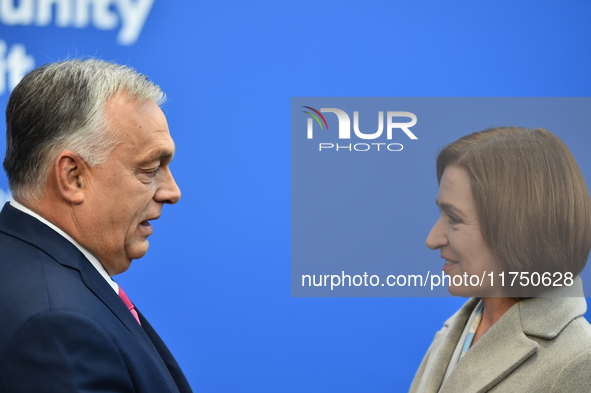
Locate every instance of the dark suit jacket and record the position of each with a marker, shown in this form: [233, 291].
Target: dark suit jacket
[63, 328]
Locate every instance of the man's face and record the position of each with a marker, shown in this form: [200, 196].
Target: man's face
[128, 191]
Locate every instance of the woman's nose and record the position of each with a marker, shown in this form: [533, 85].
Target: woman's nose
[437, 237]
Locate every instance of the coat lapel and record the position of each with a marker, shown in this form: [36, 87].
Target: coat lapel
[503, 348]
[500, 350]
[169, 360]
[96, 284]
[507, 344]
[433, 367]
[27, 228]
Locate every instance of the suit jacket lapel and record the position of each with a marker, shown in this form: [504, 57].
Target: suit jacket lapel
[27, 228]
[96, 284]
[169, 360]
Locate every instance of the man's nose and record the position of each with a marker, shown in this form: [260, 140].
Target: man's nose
[169, 192]
[437, 237]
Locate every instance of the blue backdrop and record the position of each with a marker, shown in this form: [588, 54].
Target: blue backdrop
[216, 281]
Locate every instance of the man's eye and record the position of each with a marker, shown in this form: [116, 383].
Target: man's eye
[152, 173]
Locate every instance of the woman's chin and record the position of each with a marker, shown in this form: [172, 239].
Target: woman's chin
[468, 291]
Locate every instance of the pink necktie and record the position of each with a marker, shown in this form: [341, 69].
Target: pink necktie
[129, 304]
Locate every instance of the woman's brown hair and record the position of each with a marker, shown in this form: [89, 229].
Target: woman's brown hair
[531, 199]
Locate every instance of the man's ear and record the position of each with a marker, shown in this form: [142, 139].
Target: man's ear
[71, 175]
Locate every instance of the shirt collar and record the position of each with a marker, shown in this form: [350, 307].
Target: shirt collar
[91, 258]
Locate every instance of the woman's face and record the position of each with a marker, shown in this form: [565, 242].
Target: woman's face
[458, 237]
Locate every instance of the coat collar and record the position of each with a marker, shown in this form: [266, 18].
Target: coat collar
[22, 226]
[566, 303]
[489, 361]
[432, 370]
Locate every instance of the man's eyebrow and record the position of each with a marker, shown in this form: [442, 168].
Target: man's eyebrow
[159, 155]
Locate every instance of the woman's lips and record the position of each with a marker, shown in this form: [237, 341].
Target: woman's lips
[448, 264]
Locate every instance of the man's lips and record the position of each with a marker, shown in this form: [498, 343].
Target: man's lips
[147, 220]
[146, 226]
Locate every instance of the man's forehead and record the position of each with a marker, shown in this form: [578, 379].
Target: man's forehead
[121, 96]
[121, 105]
[142, 128]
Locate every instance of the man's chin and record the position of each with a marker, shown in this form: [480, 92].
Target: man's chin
[138, 250]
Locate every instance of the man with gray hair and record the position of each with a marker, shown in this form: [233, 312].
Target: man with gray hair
[87, 159]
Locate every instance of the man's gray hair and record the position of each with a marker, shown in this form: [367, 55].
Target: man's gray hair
[61, 106]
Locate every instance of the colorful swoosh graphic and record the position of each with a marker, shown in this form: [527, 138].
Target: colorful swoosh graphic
[316, 117]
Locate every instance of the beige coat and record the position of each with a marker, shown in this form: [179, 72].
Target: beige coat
[539, 345]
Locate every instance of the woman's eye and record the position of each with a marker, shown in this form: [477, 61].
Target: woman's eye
[453, 219]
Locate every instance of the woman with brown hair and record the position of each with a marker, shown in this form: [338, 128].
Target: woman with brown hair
[514, 204]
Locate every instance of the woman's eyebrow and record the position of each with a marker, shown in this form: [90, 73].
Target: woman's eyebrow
[444, 206]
